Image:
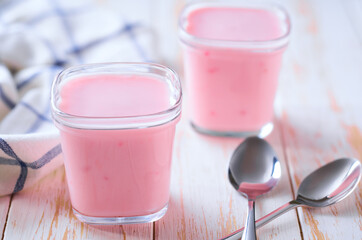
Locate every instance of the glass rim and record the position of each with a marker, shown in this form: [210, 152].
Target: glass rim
[151, 119]
[278, 42]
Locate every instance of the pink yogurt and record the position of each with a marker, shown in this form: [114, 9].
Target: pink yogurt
[119, 168]
[232, 59]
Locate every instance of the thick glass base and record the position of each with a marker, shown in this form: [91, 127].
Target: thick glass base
[263, 132]
[121, 220]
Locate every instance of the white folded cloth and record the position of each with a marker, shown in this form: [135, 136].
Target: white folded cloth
[39, 38]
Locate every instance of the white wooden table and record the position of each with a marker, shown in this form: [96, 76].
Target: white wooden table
[318, 118]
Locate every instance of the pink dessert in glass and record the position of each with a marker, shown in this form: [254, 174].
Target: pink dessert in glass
[232, 59]
[117, 127]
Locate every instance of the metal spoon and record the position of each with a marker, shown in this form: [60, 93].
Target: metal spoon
[323, 187]
[254, 170]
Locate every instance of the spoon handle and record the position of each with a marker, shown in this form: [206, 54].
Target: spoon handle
[264, 220]
[250, 232]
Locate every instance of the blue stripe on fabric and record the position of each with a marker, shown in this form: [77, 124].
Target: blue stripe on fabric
[91, 44]
[23, 168]
[27, 80]
[5, 5]
[45, 115]
[47, 14]
[55, 71]
[62, 15]
[8, 161]
[57, 62]
[37, 124]
[8, 102]
[52, 68]
[19, 185]
[138, 47]
[7, 149]
[46, 158]
[51, 49]
[41, 116]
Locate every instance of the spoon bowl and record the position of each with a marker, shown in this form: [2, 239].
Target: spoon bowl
[254, 170]
[325, 186]
[336, 180]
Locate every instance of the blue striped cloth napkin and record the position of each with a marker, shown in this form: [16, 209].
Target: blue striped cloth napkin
[38, 38]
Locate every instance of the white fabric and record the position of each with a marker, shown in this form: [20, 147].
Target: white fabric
[39, 38]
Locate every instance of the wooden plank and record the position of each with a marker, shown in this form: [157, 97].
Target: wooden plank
[44, 212]
[320, 114]
[286, 226]
[4, 208]
[204, 205]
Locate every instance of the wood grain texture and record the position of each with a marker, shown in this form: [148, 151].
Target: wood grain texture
[44, 212]
[320, 111]
[4, 208]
